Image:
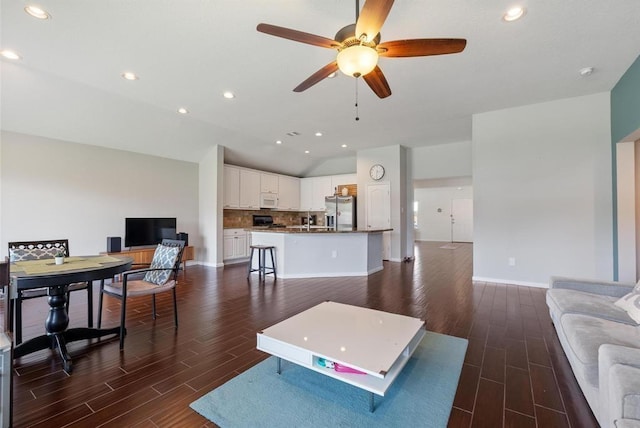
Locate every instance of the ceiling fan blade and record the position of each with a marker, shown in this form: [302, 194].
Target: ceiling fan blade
[421, 47]
[298, 36]
[317, 76]
[373, 15]
[378, 83]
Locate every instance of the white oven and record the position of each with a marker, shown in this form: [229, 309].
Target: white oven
[268, 200]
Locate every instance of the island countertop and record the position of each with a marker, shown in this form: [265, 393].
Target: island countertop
[322, 252]
[316, 230]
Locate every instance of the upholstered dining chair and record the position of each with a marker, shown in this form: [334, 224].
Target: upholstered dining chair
[160, 277]
[37, 250]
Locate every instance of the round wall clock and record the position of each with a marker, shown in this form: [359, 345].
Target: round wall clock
[376, 172]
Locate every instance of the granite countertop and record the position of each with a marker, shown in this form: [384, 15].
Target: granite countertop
[313, 231]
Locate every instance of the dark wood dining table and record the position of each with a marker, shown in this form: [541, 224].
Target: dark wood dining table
[44, 273]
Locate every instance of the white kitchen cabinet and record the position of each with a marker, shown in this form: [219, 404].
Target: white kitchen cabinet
[306, 191]
[313, 190]
[235, 244]
[268, 182]
[231, 195]
[249, 189]
[288, 193]
[321, 188]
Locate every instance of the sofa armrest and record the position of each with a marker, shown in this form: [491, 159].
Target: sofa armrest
[619, 383]
[603, 288]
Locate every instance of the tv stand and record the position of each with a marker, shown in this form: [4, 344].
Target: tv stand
[144, 255]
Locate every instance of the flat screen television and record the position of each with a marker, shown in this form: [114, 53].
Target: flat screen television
[148, 231]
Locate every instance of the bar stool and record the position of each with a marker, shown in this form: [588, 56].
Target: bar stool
[263, 270]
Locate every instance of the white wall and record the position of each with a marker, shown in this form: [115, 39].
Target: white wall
[443, 160]
[407, 203]
[52, 189]
[542, 191]
[396, 174]
[434, 225]
[626, 192]
[211, 185]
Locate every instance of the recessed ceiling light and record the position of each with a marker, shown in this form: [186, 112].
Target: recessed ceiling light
[318, 134]
[279, 142]
[343, 146]
[332, 75]
[306, 151]
[587, 71]
[8, 54]
[37, 12]
[130, 76]
[228, 95]
[183, 110]
[514, 14]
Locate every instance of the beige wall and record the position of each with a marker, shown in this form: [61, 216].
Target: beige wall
[542, 188]
[53, 189]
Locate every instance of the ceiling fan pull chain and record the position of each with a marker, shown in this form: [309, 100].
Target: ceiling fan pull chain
[357, 10]
[357, 112]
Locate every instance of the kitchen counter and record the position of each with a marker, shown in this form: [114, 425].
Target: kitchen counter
[321, 252]
[314, 229]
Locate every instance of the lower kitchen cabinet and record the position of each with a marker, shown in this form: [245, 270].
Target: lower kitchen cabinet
[236, 244]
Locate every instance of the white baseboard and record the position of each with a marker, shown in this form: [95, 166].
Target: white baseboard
[235, 261]
[320, 274]
[510, 281]
[213, 265]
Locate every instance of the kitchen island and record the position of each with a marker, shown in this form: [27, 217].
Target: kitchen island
[313, 253]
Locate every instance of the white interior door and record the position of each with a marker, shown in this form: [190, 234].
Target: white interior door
[379, 213]
[462, 220]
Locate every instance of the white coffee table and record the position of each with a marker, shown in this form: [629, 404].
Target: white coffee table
[374, 342]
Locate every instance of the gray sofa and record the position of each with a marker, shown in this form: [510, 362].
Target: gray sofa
[602, 344]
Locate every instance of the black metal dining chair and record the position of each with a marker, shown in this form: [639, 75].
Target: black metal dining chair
[38, 250]
[160, 277]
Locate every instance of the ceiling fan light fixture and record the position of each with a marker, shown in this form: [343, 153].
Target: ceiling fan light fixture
[357, 60]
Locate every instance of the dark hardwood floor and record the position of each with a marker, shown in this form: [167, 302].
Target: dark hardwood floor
[515, 372]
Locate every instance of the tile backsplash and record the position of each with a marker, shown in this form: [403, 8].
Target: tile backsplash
[244, 218]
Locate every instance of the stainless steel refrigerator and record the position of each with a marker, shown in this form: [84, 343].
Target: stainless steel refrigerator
[340, 212]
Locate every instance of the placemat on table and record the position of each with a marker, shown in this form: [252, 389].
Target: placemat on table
[31, 267]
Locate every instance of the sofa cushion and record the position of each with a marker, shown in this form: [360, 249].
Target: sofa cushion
[565, 301]
[585, 334]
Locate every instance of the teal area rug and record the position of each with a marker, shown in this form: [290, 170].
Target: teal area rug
[422, 395]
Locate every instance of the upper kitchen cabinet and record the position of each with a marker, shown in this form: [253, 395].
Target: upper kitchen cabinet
[231, 197]
[268, 183]
[313, 191]
[249, 189]
[306, 190]
[288, 193]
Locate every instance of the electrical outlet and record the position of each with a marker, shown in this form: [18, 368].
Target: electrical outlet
[334, 254]
[512, 261]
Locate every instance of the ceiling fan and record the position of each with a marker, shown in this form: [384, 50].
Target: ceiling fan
[359, 47]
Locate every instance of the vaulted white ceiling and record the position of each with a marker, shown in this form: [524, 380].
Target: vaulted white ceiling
[68, 84]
